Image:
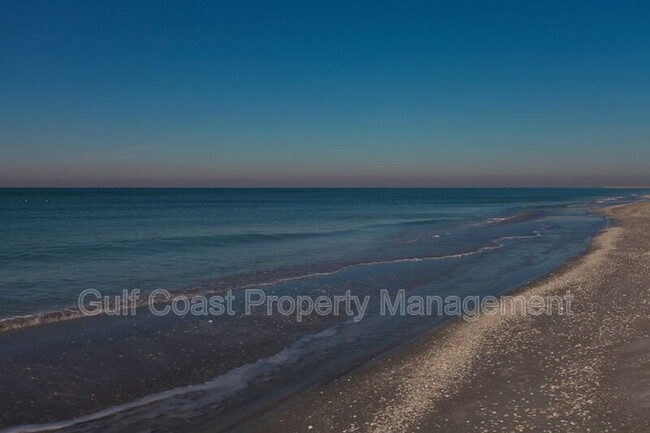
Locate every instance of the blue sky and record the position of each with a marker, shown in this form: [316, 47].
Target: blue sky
[305, 93]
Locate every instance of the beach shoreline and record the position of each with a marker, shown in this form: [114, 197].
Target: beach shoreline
[182, 361]
[585, 372]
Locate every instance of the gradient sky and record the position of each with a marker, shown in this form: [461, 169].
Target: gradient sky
[328, 93]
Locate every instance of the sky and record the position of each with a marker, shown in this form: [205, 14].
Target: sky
[324, 93]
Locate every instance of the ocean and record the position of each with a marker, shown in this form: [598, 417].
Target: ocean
[59, 242]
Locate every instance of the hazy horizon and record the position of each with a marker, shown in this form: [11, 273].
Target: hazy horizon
[340, 94]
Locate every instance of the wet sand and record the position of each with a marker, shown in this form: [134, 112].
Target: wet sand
[589, 371]
[69, 369]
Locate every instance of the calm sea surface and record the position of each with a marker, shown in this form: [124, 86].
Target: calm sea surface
[57, 242]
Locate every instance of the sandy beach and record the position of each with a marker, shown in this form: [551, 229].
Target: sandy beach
[589, 371]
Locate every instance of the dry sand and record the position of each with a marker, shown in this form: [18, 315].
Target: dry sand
[586, 372]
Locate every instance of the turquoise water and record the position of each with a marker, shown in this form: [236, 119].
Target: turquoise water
[57, 242]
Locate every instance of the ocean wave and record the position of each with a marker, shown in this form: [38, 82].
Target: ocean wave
[495, 221]
[165, 243]
[610, 199]
[192, 242]
[70, 313]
